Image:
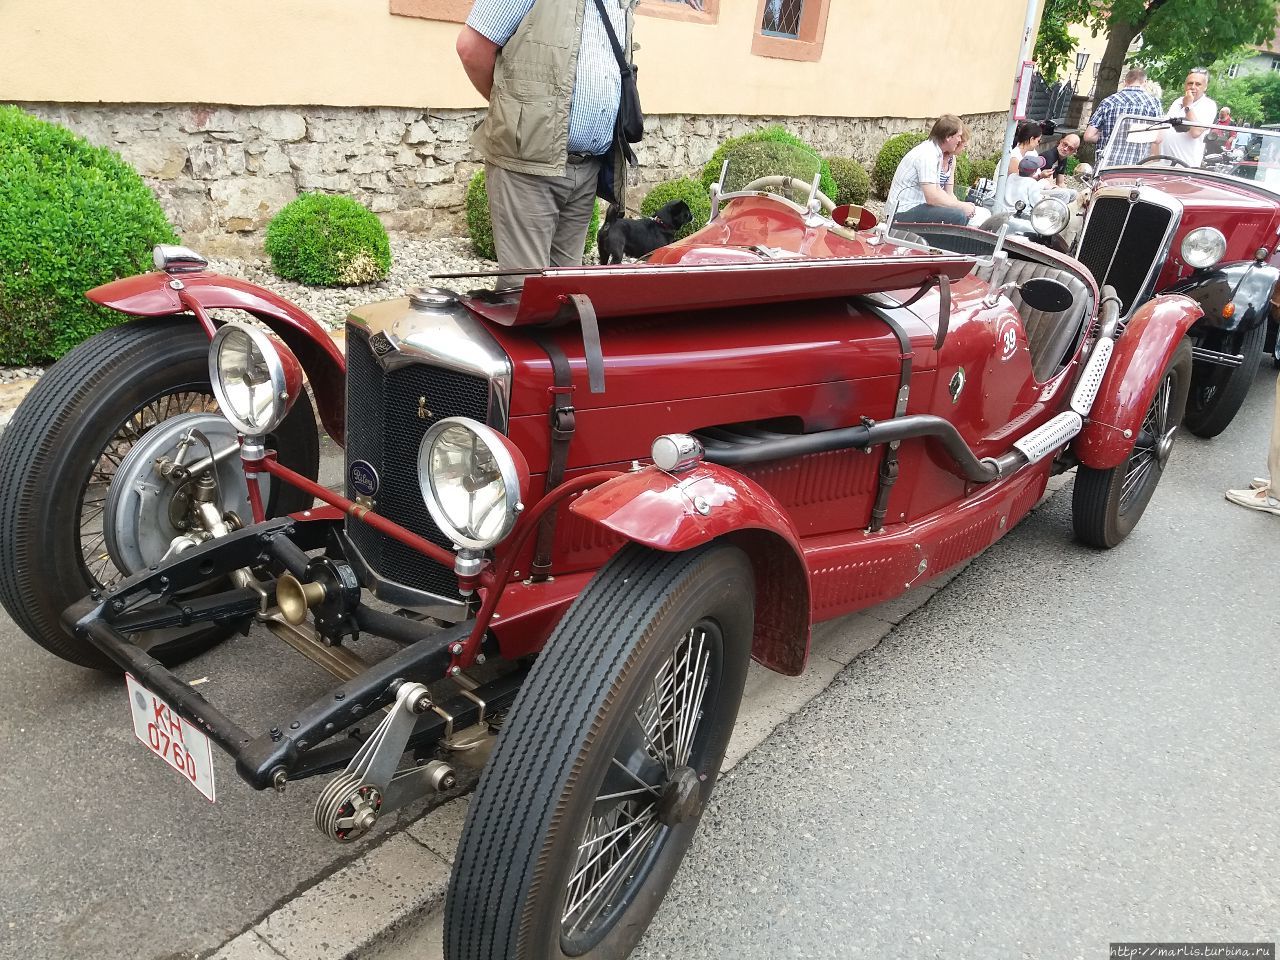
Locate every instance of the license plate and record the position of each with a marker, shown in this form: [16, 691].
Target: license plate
[169, 737]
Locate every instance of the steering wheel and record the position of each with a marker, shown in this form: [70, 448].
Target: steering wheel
[1163, 156]
[789, 183]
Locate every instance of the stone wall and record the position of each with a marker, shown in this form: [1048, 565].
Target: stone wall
[222, 172]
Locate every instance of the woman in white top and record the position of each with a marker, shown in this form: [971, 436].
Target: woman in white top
[1026, 140]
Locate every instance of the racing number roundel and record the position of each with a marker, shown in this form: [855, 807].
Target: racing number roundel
[1007, 339]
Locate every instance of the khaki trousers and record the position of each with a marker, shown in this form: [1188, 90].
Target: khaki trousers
[540, 221]
[1273, 454]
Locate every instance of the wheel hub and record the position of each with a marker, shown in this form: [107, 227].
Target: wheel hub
[681, 797]
[145, 511]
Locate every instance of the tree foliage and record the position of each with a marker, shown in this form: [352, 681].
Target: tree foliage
[1176, 34]
[1055, 47]
[1254, 98]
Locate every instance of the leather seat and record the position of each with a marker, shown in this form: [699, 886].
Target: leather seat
[1049, 335]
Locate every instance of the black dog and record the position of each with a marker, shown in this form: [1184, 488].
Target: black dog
[640, 236]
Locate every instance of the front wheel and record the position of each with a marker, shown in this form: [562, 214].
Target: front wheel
[61, 452]
[1218, 392]
[606, 761]
[1107, 504]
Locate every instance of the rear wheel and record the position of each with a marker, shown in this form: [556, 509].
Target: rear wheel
[605, 763]
[61, 451]
[1107, 504]
[1218, 392]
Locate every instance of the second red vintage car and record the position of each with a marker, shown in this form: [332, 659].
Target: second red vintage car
[579, 510]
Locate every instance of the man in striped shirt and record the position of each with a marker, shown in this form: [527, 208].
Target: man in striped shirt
[552, 79]
[1132, 99]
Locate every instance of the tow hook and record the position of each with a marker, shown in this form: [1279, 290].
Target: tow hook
[351, 804]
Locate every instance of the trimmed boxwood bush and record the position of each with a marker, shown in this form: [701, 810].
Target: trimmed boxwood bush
[72, 216]
[328, 241]
[687, 189]
[853, 183]
[776, 135]
[480, 227]
[890, 155]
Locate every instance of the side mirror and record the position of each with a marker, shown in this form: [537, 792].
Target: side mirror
[1043, 293]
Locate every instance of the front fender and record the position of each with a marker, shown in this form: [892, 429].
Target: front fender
[1136, 368]
[153, 295]
[1246, 287]
[676, 512]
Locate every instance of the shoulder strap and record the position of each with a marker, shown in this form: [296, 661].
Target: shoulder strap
[562, 422]
[613, 37]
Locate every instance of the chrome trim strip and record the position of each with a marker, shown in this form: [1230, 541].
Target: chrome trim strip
[440, 335]
[454, 611]
[1204, 355]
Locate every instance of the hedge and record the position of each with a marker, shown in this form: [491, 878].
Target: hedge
[72, 216]
[329, 241]
[776, 135]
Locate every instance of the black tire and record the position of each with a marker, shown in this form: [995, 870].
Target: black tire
[555, 766]
[55, 460]
[1217, 392]
[1107, 504]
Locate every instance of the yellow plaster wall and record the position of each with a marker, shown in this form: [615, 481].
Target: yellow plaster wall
[881, 58]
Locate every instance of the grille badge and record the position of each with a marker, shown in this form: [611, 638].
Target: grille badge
[364, 478]
[381, 344]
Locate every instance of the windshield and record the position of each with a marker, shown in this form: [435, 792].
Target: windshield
[778, 167]
[1242, 153]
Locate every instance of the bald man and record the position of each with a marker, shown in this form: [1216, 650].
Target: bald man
[1056, 157]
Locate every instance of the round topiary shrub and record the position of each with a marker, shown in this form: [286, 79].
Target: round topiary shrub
[72, 216]
[776, 135]
[328, 241]
[687, 189]
[853, 183]
[890, 155]
[480, 227]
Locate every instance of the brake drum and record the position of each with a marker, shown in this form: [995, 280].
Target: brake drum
[145, 511]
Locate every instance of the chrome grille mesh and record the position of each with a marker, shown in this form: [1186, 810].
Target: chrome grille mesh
[387, 414]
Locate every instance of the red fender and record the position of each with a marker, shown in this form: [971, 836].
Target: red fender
[1141, 354]
[152, 295]
[675, 512]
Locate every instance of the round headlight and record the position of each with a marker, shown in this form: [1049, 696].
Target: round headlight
[1050, 217]
[1203, 247]
[471, 478]
[255, 378]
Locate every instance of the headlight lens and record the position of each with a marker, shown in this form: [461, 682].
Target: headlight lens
[1203, 247]
[255, 378]
[471, 479]
[1050, 217]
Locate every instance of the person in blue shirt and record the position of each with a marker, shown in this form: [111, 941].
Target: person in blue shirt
[552, 79]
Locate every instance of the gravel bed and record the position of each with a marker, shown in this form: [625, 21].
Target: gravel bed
[413, 260]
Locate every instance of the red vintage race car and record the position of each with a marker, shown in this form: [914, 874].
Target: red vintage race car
[579, 511]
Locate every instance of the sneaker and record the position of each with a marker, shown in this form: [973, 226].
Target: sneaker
[1256, 499]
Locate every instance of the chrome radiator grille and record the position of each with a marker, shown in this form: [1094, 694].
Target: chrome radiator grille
[388, 411]
[1122, 243]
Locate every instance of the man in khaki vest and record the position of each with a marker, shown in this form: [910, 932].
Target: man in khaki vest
[552, 80]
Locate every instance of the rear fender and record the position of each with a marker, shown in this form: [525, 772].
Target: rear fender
[1137, 366]
[154, 295]
[677, 512]
[1245, 287]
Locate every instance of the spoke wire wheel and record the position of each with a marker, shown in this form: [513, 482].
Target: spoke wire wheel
[59, 455]
[606, 761]
[1107, 504]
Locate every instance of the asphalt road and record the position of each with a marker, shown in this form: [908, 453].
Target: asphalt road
[1062, 748]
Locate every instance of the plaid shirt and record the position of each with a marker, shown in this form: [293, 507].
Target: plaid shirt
[1130, 100]
[597, 85]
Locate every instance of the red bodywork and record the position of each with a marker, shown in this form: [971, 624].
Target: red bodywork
[1247, 216]
[164, 295]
